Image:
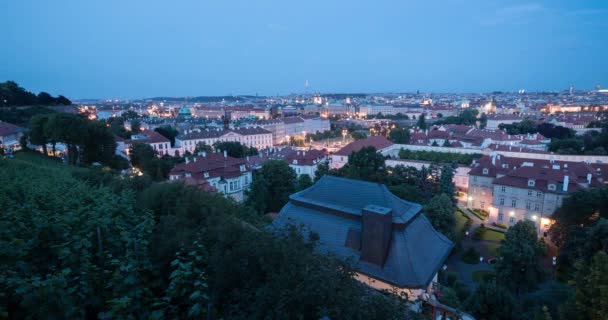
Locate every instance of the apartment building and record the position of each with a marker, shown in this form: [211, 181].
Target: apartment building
[284, 128]
[10, 135]
[251, 137]
[340, 157]
[215, 172]
[515, 189]
[157, 141]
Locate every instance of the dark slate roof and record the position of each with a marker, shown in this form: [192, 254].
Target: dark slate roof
[351, 196]
[333, 206]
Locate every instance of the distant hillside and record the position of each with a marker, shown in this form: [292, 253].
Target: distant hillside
[205, 99]
[11, 94]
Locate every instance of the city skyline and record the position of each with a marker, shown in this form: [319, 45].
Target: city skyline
[150, 49]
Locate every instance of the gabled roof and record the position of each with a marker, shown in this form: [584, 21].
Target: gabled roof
[147, 136]
[333, 209]
[9, 128]
[378, 142]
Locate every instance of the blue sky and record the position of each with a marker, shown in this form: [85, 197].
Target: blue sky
[144, 48]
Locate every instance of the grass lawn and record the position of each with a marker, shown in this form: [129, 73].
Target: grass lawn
[461, 221]
[478, 276]
[492, 235]
[37, 158]
[480, 214]
[493, 249]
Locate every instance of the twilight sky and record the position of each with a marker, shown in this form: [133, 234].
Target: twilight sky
[146, 48]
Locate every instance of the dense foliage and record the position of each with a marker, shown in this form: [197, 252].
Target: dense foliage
[466, 117]
[235, 149]
[145, 159]
[272, 185]
[519, 266]
[22, 116]
[77, 243]
[400, 135]
[523, 127]
[440, 212]
[168, 132]
[440, 157]
[11, 94]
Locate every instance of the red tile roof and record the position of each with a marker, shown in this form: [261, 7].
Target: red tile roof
[9, 128]
[378, 142]
[149, 137]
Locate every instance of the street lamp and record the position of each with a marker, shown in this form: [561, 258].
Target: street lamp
[344, 132]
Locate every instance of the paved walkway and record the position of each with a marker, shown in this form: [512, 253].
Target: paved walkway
[464, 270]
[476, 221]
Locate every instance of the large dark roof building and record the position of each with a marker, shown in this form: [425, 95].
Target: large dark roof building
[393, 243]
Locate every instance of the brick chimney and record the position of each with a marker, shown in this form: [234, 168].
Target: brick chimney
[376, 232]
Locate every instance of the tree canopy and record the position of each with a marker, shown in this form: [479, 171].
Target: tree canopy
[11, 94]
[519, 266]
[440, 211]
[77, 243]
[235, 149]
[271, 187]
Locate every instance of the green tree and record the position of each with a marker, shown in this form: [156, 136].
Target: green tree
[202, 147]
[186, 296]
[440, 212]
[322, 169]
[38, 134]
[421, 122]
[144, 157]
[141, 154]
[130, 115]
[304, 181]
[520, 254]
[135, 126]
[117, 125]
[400, 135]
[358, 135]
[99, 144]
[271, 187]
[365, 164]
[581, 208]
[69, 129]
[235, 149]
[446, 182]
[491, 301]
[582, 243]
[591, 281]
[168, 132]
[68, 249]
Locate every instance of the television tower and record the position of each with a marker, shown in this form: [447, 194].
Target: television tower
[571, 90]
[306, 87]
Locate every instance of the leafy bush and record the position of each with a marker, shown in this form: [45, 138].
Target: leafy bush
[500, 225]
[470, 256]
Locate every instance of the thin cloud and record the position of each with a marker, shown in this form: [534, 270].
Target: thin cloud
[517, 14]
